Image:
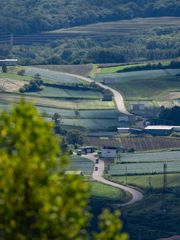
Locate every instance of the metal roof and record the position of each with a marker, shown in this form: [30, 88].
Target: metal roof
[159, 127]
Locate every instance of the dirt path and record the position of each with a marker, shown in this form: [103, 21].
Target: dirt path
[98, 173]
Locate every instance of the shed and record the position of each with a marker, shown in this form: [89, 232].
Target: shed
[108, 153]
[88, 149]
[159, 130]
[79, 173]
[107, 97]
[137, 107]
[176, 128]
[108, 80]
[123, 130]
[8, 62]
[123, 118]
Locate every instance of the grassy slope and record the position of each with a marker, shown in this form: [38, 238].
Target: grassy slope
[151, 88]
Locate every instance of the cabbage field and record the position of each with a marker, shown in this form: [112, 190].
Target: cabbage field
[51, 75]
[135, 168]
[128, 76]
[69, 122]
[52, 111]
[90, 123]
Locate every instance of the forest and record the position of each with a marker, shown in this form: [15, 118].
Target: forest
[32, 16]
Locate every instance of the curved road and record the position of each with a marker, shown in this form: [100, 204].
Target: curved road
[97, 175]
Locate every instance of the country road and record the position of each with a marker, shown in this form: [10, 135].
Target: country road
[97, 175]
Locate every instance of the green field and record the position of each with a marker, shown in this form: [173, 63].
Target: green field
[115, 69]
[140, 168]
[82, 70]
[105, 191]
[151, 157]
[80, 163]
[51, 75]
[99, 114]
[58, 92]
[173, 180]
[58, 103]
[148, 88]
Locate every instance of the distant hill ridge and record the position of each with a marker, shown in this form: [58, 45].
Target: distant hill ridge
[32, 16]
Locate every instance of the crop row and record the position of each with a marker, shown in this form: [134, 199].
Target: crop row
[134, 168]
[51, 75]
[79, 163]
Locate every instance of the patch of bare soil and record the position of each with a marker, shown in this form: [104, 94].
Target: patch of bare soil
[10, 85]
[172, 95]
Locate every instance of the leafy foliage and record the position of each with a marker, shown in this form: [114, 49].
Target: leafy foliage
[36, 201]
[33, 86]
[74, 137]
[172, 114]
[4, 68]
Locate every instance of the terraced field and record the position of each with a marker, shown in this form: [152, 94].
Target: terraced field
[138, 143]
[52, 111]
[51, 75]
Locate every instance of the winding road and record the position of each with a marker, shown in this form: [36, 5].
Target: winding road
[98, 173]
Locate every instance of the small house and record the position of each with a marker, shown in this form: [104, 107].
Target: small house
[108, 80]
[107, 97]
[8, 62]
[127, 118]
[108, 153]
[123, 130]
[136, 131]
[88, 149]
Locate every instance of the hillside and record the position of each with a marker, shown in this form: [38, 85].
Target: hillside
[24, 17]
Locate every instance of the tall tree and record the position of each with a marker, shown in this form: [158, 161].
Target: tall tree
[4, 68]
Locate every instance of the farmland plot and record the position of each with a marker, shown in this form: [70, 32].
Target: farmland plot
[50, 92]
[109, 123]
[52, 111]
[99, 114]
[80, 93]
[51, 75]
[70, 122]
[134, 168]
[4, 107]
[80, 163]
[129, 76]
[147, 157]
[89, 123]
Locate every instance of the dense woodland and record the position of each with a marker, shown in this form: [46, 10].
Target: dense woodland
[32, 16]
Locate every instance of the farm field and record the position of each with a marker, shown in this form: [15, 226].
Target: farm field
[4, 107]
[115, 69]
[82, 70]
[123, 27]
[148, 88]
[80, 163]
[51, 75]
[173, 180]
[138, 143]
[105, 191]
[58, 92]
[12, 76]
[151, 157]
[52, 111]
[10, 85]
[101, 123]
[58, 103]
[99, 114]
[71, 122]
[139, 168]
[129, 76]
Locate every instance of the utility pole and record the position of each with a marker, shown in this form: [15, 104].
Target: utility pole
[126, 174]
[164, 187]
[150, 187]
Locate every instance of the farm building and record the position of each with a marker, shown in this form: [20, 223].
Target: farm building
[123, 130]
[88, 149]
[108, 80]
[107, 97]
[127, 118]
[159, 130]
[79, 173]
[137, 107]
[79, 152]
[108, 153]
[9, 62]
